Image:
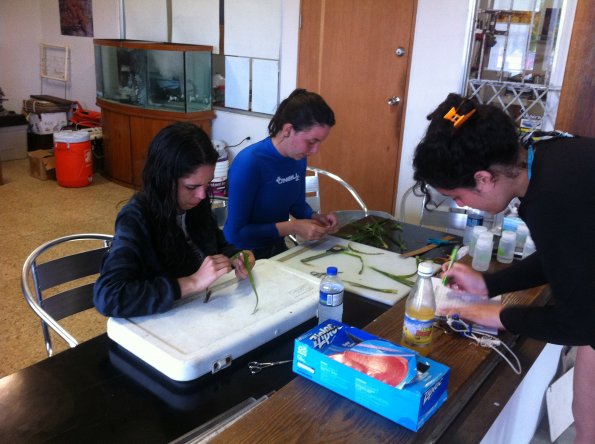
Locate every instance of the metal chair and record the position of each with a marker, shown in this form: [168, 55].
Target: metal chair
[219, 209]
[313, 188]
[62, 268]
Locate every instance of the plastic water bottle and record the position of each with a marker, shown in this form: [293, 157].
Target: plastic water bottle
[477, 230]
[419, 311]
[506, 247]
[474, 218]
[483, 252]
[330, 302]
[529, 247]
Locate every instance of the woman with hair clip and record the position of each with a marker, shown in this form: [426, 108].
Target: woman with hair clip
[472, 153]
[167, 244]
[267, 179]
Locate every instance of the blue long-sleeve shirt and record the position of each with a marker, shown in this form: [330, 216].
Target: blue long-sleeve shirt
[264, 188]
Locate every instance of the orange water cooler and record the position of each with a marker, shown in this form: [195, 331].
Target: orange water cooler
[74, 158]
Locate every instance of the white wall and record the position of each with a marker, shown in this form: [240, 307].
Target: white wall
[437, 68]
[20, 32]
[24, 24]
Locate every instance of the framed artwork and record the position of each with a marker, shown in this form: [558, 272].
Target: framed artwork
[54, 63]
[76, 17]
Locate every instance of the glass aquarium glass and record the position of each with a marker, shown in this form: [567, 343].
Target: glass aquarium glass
[160, 76]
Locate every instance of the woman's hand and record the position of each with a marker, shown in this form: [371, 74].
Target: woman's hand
[463, 277]
[328, 220]
[211, 269]
[483, 314]
[308, 229]
[238, 263]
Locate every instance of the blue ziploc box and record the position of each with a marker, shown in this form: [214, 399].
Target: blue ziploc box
[391, 380]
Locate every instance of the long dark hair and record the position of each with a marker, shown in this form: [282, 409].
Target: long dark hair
[448, 157]
[176, 151]
[303, 109]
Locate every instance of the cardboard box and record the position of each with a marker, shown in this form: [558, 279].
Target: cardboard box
[388, 379]
[42, 164]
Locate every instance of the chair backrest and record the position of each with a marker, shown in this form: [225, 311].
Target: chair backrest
[219, 210]
[313, 188]
[62, 268]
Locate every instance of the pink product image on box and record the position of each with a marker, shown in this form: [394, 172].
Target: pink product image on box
[388, 379]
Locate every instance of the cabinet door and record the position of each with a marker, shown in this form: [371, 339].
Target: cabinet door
[348, 54]
[144, 129]
[116, 145]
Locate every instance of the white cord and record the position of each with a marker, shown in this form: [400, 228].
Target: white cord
[484, 340]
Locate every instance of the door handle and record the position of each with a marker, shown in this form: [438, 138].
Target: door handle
[394, 100]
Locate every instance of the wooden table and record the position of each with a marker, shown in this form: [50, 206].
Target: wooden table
[99, 392]
[304, 412]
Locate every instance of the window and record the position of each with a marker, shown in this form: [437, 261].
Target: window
[245, 36]
[511, 60]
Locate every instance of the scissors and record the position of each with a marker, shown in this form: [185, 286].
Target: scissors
[442, 242]
[332, 250]
[256, 367]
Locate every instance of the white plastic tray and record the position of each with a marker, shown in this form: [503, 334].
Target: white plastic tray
[349, 267]
[195, 338]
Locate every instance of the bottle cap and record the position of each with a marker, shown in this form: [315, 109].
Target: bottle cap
[331, 271]
[425, 268]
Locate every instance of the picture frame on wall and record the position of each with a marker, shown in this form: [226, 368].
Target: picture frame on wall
[76, 17]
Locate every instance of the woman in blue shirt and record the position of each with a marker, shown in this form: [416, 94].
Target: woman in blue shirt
[267, 179]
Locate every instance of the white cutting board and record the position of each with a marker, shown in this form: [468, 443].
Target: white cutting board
[195, 338]
[349, 267]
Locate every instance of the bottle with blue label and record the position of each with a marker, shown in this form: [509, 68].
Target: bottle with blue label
[474, 218]
[330, 303]
[511, 220]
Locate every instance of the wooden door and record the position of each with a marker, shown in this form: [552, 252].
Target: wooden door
[347, 53]
[578, 89]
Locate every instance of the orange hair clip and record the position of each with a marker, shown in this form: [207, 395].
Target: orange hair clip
[457, 119]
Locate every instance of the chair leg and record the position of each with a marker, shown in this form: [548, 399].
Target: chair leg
[47, 338]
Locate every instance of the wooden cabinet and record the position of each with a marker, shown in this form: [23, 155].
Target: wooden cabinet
[127, 133]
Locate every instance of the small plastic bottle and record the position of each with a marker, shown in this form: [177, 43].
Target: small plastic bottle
[529, 247]
[483, 251]
[477, 230]
[420, 309]
[506, 247]
[330, 302]
[474, 217]
[522, 231]
[511, 220]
